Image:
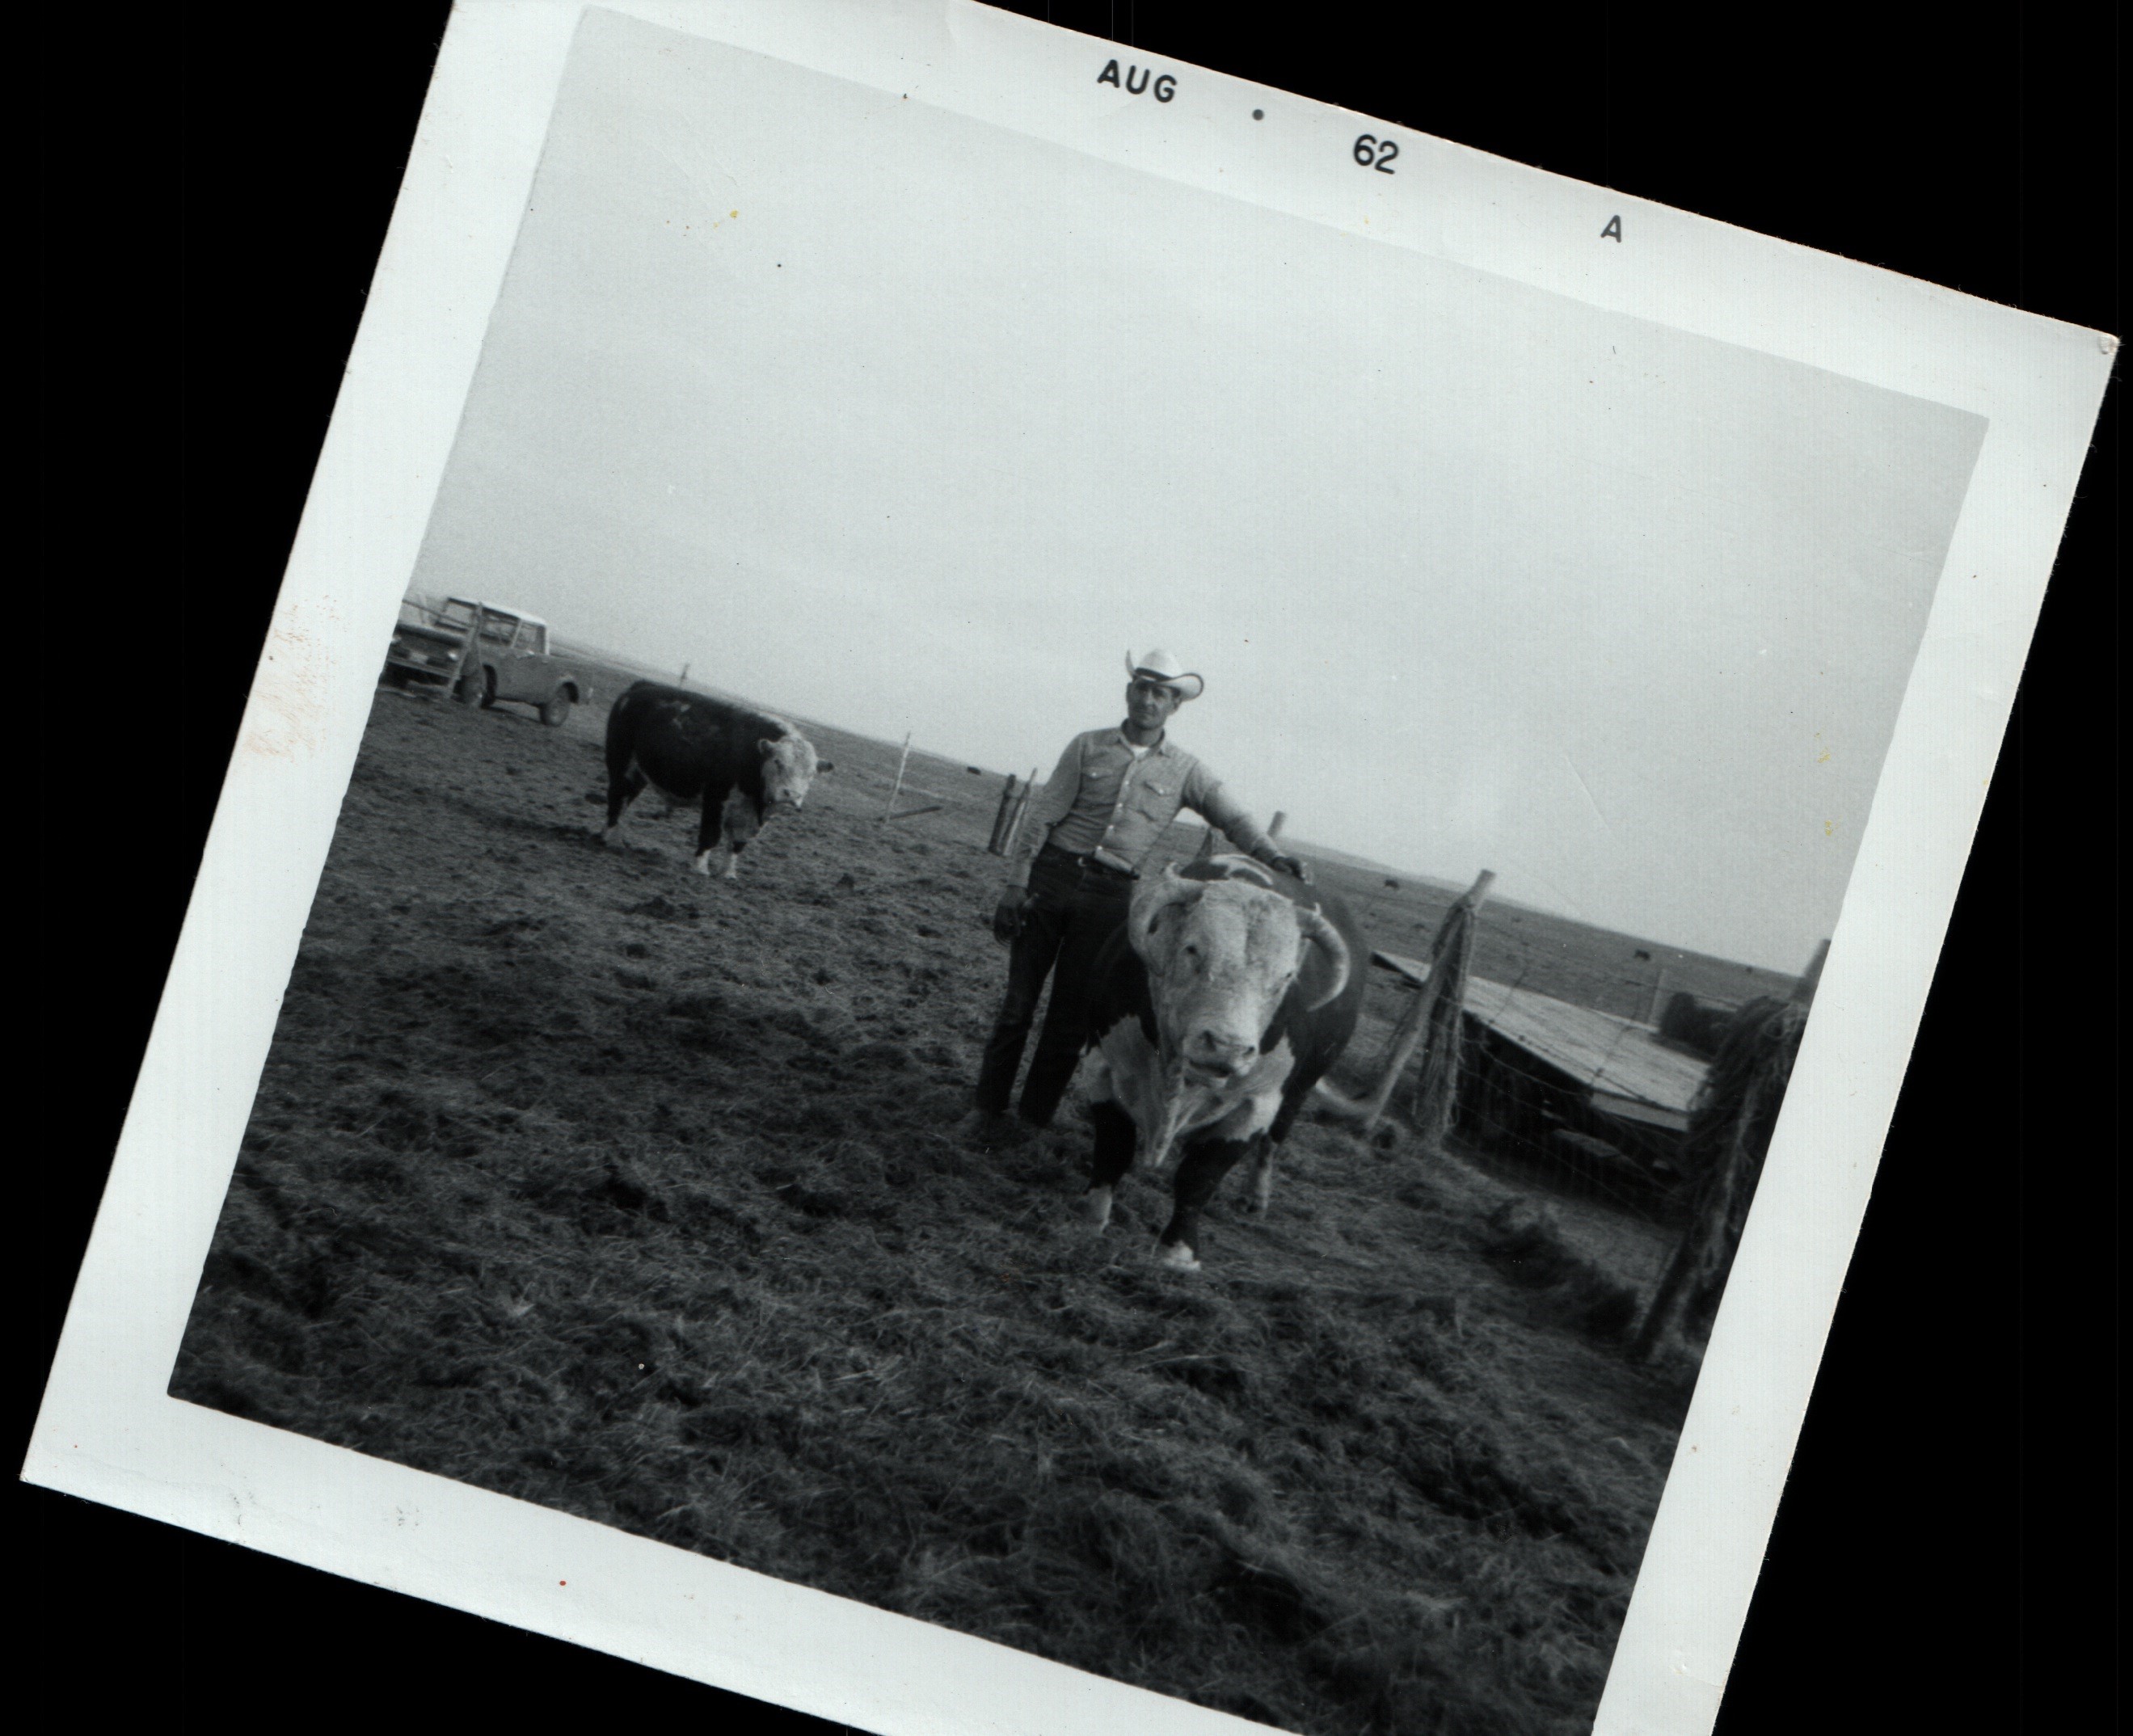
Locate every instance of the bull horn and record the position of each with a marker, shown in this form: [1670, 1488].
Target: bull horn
[1318, 931]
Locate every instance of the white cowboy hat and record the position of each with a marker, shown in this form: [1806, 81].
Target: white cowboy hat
[1159, 665]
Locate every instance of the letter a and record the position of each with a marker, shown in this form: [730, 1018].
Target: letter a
[1109, 74]
[1613, 231]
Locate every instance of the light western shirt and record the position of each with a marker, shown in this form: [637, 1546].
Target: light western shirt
[1103, 800]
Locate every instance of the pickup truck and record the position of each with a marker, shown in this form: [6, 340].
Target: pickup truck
[513, 663]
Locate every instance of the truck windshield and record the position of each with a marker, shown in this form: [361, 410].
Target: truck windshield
[497, 629]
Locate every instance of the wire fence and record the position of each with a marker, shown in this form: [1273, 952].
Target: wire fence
[1462, 1083]
[1479, 1092]
[1531, 1123]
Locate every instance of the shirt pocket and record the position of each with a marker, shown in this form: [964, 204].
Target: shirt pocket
[1155, 797]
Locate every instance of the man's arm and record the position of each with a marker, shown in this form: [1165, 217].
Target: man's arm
[1205, 797]
[1045, 812]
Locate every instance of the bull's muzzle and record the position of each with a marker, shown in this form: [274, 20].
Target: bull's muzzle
[1214, 1055]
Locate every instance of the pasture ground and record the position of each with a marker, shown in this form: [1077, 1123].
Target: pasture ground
[577, 1177]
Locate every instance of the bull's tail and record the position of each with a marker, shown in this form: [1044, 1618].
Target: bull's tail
[1331, 1095]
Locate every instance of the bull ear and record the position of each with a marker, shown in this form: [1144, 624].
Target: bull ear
[762, 747]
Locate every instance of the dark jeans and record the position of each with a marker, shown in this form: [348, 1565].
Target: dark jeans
[1070, 913]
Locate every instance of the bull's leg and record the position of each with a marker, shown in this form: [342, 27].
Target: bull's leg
[624, 785]
[1110, 1158]
[707, 831]
[741, 821]
[1200, 1172]
[1261, 1188]
[1293, 1097]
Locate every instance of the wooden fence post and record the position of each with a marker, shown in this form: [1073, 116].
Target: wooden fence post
[896, 789]
[1427, 1013]
[1729, 1126]
[1021, 813]
[1437, 1081]
[1658, 998]
[998, 843]
[1803, 990]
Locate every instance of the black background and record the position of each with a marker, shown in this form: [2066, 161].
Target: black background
[214, 192]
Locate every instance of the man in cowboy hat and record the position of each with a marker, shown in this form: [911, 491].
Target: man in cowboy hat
[1105, 807]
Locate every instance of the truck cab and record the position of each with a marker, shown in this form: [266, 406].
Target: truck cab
[511, 659]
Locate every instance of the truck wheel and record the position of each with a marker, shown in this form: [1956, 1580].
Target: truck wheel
[468, 691]
[488, 688]
[555, 710]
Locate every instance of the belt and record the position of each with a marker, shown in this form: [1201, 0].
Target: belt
[1090, 863]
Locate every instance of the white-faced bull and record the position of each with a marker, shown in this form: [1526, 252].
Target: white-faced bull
[741, 766]
[1225, 999]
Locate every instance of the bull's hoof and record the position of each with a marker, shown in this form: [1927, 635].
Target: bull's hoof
[1096, 1207]
[701, 865]
[1177, 1256]
[1255, 1203]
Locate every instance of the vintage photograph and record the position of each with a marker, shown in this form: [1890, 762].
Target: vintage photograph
[1059, 895]
[1118, 983]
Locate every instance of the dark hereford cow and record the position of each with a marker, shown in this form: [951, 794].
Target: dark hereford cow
[1212, 1012]
[741, 766]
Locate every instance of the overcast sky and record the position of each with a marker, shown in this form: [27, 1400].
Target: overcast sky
[944, 420]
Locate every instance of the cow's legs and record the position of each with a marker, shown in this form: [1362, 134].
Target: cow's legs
[1200, 1172]
[1110, 1158]
[707, 832]
[740, 820]
[1293, 1097]
[1261, 1188]
[623, 786]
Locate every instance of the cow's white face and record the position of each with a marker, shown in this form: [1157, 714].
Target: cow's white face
[1220, 954]
[788, 768]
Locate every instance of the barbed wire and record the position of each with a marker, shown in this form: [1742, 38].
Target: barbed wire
[1508, 1110]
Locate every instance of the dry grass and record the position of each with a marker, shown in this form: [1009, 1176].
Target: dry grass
[576, 1178]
